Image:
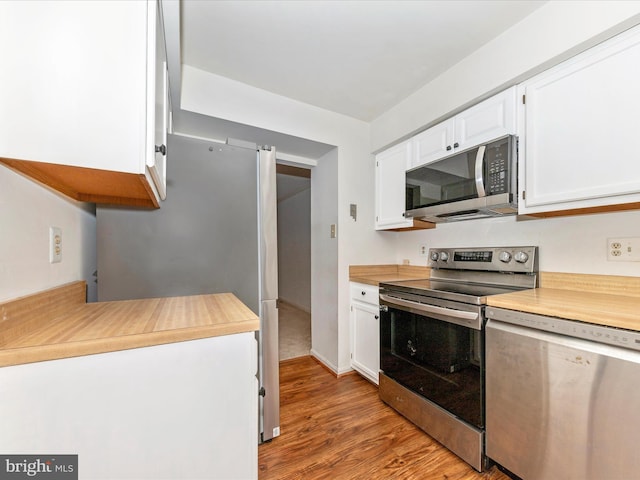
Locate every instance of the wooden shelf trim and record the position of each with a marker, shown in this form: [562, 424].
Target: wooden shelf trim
[417, 225]
[89, 184]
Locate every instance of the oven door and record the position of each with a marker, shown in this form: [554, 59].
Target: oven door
[435, 350]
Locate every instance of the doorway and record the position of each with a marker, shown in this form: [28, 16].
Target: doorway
[294, 261]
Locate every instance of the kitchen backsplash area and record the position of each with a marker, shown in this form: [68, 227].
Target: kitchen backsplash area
[575, 244]
[27, 211]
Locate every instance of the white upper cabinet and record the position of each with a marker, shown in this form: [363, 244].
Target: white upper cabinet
[493, 118]
[488, 120]
[579, 143]
[391, 166]
[78, 89]
[434, 143]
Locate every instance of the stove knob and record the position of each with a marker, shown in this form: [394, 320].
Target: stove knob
[444, 256]
[434, 256]
[521, 257]
[505, 257]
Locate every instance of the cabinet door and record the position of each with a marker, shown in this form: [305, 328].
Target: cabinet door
[76, 92]
[80, 94]
[194, 402]
[365, 340]
[493, 118]
[581, 130]
[158, 95]
[391, 166]
[434, 143]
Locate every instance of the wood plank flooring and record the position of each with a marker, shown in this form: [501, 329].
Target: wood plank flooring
[337, 428]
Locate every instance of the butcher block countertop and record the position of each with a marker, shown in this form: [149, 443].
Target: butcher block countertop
[57, 323]
[600, 299]
[377, 274]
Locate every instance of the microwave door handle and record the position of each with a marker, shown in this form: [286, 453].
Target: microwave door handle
[479, 171]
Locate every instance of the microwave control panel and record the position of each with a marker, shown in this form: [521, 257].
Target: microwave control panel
[497, 165]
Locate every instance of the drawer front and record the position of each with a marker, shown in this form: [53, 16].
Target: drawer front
[361, 292]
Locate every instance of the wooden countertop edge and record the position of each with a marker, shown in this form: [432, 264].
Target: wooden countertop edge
[376, 274]
[620, 311]
[365, 280]
[376, 280]
[39, 353]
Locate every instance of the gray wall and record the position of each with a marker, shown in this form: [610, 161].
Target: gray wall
[294, 250]
[203, 239]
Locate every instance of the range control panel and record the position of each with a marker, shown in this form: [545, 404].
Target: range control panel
[499, 259]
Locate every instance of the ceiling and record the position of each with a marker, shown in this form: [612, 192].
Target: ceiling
[358, 58]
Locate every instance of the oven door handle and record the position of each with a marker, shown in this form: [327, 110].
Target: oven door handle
[459, 317]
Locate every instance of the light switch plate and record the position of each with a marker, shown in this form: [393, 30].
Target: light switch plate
[353, 211]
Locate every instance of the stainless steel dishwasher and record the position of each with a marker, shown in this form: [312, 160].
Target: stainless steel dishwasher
[562, 398]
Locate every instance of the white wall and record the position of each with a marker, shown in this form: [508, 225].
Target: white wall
[324, 261]
[27, 210]
[294, 250]
[556, 31]
[342, 177]
[549, 35]
[566, 244]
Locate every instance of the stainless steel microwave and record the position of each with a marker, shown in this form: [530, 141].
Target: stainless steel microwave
[476, 183]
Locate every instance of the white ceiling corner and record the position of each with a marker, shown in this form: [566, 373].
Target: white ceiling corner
[354, 57]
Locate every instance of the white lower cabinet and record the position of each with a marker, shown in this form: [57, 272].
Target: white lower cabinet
[365, 330]
[175, 411]
[579, 141]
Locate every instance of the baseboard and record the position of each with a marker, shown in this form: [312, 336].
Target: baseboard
[324, 362]
[330, 367]
[345, 371]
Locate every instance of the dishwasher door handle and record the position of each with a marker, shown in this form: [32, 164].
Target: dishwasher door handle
[459, 317]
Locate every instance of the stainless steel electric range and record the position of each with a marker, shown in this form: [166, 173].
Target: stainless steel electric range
[432, 341]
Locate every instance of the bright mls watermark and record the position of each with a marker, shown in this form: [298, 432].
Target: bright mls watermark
[49, 467]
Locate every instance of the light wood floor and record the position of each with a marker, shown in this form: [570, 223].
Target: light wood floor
[337, 428]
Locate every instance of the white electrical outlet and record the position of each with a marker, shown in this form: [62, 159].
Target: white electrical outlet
[424, 250]
[55, 245]
[623, 249]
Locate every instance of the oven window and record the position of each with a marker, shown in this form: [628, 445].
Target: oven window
[439, 360]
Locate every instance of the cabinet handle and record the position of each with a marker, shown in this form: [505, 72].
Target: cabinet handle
[456, 145]
[448, 147]
[161, 149]
[376, 317]
[363, 292]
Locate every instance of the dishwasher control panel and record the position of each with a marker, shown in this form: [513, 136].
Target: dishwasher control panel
[570, 328]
